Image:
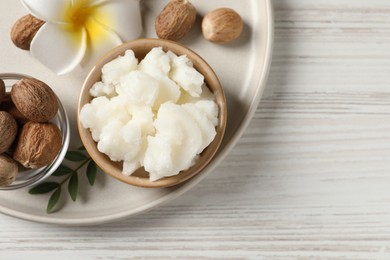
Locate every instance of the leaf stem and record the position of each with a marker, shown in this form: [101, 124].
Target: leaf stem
[75, 171]
[70, 176]
[81, 165]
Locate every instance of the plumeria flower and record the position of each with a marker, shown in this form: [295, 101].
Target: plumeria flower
[80, 31]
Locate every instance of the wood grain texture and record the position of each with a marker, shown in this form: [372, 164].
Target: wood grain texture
[310, 179]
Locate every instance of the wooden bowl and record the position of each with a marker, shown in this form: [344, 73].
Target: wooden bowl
[141, 178]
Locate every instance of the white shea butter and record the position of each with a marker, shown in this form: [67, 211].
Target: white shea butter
[115, 69]
[185, 75]
[157, 114]
[138, 88]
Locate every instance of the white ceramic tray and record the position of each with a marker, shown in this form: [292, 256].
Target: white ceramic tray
[242, 67]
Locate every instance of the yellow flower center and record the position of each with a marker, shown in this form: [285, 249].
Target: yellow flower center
[83, 15]
[79, 15]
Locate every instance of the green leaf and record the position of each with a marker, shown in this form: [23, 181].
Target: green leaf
[62, 170]
[53, 200]
[81, 148]
[75, 156]
[44, 188]
[91, 172]
[73, 186]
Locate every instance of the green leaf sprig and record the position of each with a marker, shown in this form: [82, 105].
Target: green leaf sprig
[71, 176]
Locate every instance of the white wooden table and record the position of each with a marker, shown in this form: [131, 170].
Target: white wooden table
[310, 179]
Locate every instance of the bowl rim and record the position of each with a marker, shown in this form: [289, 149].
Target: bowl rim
[48, 170]
[199, 64]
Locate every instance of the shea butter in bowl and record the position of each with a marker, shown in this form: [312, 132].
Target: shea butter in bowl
[152, 113]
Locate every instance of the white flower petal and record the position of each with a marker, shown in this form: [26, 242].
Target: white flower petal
[99, 41]
[121, 16]
[59, 48]
[88, 2]
[48, 10]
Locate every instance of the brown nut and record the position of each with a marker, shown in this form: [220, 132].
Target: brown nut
[15, 113]
[24, 30]
[34, 99]
[175, 20]
[8, 170]
[222, 25]
[38, 144]
[8, 131]
[8, 106]
[2, 90]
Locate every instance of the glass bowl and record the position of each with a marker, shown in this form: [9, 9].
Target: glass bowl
[29, 177]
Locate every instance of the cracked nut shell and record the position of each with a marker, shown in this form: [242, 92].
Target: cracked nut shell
[38, 144]
[34, 99]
